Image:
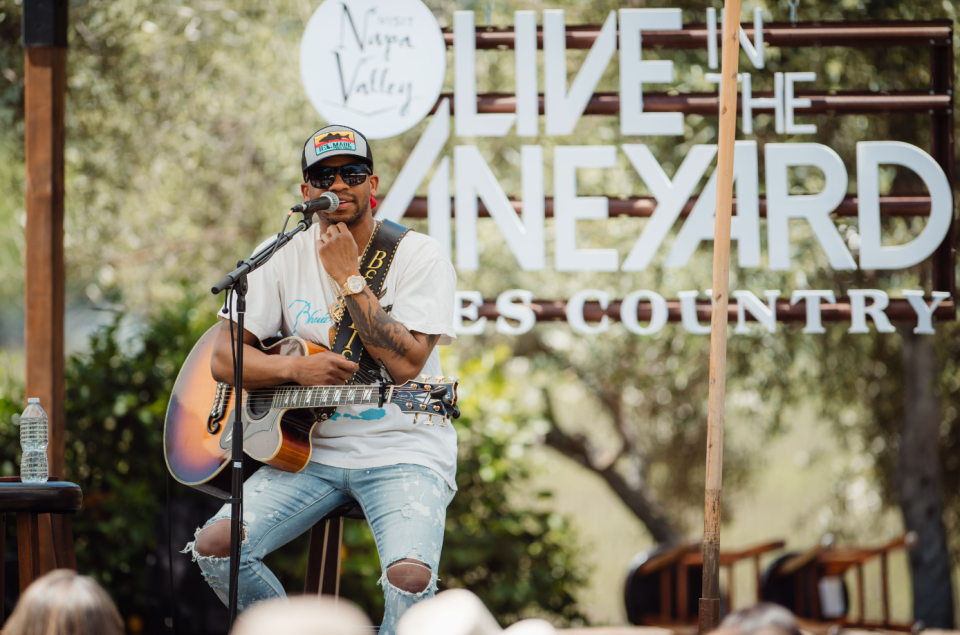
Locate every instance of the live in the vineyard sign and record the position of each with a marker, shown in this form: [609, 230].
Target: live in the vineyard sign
[389, 62]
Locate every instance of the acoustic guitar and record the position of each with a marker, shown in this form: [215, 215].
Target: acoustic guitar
[277, 421]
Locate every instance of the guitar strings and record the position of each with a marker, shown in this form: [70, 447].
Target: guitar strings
[262, 397]
[293, 389]
[348, 388]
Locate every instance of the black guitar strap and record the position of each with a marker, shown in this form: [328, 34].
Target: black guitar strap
[374, 265]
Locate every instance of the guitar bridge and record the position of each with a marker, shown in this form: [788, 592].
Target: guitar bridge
[218, 408]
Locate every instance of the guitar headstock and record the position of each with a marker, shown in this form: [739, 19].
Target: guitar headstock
[429, 397]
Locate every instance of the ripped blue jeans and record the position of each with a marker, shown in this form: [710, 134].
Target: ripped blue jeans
[404, 504]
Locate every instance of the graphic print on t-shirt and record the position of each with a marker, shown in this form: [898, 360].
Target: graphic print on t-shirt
[371, 414]
[300, 309]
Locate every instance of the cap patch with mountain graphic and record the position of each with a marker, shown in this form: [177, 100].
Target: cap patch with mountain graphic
[339, 140]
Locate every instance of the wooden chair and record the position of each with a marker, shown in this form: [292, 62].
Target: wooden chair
[42, 509]
[663, 585]
[326, 545]
[794, 581]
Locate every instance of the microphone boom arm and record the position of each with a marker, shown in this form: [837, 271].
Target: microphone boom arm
[260, 258]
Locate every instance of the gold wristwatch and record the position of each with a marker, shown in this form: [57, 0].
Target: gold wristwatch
[354, 284]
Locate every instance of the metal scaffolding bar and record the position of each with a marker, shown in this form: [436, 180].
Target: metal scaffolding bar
[708, 104]
[644, 206]
[786, 34]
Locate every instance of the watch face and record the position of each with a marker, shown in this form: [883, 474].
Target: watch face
[355, 284]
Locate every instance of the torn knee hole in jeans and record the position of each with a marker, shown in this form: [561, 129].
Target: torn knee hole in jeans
[409, 576]
[191, 547]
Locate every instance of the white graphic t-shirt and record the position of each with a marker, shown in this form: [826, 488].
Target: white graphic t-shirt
[291, 295]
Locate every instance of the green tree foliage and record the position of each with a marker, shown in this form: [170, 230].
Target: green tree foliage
[117, 398]
[866, 403]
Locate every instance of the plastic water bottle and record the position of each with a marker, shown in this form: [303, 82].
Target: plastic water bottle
[33, 440]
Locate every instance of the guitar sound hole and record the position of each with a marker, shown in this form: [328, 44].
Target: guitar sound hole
[258, 408]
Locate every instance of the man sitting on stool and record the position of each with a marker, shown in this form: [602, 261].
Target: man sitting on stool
[401, 475]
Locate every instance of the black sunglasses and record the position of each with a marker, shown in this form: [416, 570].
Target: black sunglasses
[352, 174]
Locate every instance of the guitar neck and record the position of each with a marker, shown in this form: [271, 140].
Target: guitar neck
[328, 396]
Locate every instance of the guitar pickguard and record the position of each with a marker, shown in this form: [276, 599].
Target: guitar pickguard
[261, 439]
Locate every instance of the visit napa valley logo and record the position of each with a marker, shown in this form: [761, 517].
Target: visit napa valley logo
[374, 65]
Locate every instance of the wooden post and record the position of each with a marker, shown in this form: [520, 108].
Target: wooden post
[45, 55]
[944, 276]
[28, 549]
[710, 596]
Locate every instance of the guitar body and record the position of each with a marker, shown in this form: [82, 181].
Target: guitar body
[277, 421]
[199, 422]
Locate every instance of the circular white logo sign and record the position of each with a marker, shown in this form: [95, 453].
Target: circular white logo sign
[374, 65]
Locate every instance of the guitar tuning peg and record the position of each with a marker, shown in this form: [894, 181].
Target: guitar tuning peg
[429, 421]
[424, 377]
[415, 415]
[438, 379]
[444, 422]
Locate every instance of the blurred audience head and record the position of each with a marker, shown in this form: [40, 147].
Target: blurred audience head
[762, 619]
[64, 603]
[460, 612]
[304, 615]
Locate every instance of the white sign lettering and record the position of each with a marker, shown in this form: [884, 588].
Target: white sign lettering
[379, 65]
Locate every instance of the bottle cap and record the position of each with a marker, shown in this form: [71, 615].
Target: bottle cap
[35, 400]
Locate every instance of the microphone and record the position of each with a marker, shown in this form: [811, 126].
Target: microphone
[326, 202]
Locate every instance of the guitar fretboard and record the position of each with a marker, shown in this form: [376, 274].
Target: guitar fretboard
[328, 396]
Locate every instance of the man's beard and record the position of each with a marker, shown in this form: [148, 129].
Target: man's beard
[358, 214]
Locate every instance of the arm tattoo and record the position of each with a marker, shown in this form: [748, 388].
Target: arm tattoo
[379, 330]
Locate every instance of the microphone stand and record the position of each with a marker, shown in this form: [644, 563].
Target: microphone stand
[236, 281]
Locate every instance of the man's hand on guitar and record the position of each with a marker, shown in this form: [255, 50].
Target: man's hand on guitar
[322, 369]
[260, 369]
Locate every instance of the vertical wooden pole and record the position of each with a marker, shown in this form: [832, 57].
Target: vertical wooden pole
[944, 276]
[710, 597]
[45, 55]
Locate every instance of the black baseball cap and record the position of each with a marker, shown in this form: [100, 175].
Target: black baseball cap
[335, 141]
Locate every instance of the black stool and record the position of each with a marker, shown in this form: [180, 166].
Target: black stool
[29, 501]
[326, 545]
